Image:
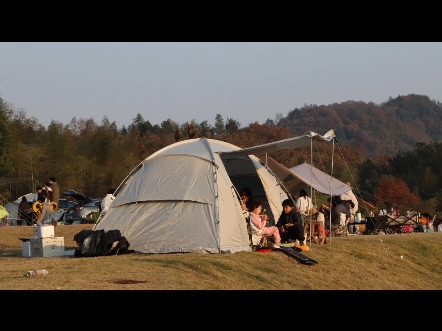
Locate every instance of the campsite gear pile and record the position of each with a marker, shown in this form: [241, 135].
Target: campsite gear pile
[44, 243]
[100, 243]
[391, 224]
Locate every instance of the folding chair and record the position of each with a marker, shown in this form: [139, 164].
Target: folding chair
[341, 229]
[401, 223]
[256, 240]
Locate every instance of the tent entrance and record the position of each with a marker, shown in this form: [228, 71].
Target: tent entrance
[242, 173]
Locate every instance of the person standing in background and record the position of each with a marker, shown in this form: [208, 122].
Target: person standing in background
[349, 195]
[47, 191]
[304, 203]
[107, 200]
[41, 197]
[55, 190]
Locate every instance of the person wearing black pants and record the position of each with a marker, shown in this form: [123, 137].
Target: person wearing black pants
[290, 223]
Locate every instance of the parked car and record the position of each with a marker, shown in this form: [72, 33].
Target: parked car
[83, 209]
[64, 204]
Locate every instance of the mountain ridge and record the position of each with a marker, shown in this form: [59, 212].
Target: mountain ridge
[384, 129]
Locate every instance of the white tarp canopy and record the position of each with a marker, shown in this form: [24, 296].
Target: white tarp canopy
[307, 175]
[184, 198]
[290, 143]
[319, 180]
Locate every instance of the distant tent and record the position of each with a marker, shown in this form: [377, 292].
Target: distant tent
[12, 207]
[304, 175]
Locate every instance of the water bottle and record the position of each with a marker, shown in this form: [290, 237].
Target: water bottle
[392, 211]
[37, 272]
[35, 231]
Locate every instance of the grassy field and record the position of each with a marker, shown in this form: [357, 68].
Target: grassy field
[379, 262]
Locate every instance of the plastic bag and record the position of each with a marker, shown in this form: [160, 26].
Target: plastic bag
[430, 226]
[46, 215]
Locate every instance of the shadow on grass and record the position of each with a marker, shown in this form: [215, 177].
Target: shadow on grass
[215, 269]
[11, 252]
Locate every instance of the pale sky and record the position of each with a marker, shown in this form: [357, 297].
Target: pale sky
[248, 82]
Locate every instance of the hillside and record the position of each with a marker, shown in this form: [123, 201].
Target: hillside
[387, 128]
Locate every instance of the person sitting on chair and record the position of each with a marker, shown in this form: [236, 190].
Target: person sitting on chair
[258, 224]
[246, 201]
[290, 224]
[246, 198]
[25, 211]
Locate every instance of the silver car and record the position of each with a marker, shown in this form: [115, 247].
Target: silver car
[81, 212]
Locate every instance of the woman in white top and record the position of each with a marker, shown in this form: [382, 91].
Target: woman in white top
[304, 203]
[107, 200]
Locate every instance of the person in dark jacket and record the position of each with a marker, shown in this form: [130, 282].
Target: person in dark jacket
[336, 209]
[41, 197]
[290, 224]
[25, 210]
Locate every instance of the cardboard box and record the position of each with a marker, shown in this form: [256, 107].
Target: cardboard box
[47, 247]
[45, 231]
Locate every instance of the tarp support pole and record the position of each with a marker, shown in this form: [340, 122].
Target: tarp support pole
[331, 190]
[311, 190]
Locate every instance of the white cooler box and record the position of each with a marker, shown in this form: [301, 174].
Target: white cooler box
[45, 231]
[47, 247]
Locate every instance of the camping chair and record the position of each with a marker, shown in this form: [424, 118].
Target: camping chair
[411, 222]
[374, 225]
[341, 229]
[256, 240]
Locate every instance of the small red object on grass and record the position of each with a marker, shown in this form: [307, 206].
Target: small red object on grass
[264, 250]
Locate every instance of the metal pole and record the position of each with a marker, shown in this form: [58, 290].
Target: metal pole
[311, 189]
[331, 190]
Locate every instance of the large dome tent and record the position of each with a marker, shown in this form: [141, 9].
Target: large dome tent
[184, 198]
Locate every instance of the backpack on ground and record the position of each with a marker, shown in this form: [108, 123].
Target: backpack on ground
[113, 243]
[100, 243]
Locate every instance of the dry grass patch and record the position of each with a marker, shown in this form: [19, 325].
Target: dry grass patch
[349, 263]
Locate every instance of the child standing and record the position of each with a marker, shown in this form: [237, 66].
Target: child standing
[258, 224]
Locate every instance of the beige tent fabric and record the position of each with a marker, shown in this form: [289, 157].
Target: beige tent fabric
[305, 175]
[182, 199]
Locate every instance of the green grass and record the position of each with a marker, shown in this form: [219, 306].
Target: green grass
[348, 263]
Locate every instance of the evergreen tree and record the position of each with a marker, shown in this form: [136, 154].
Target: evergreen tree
[219, 125]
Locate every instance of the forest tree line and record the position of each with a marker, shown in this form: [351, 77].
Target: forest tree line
[92, 157]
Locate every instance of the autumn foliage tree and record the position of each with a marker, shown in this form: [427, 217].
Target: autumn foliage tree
[395, 193]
